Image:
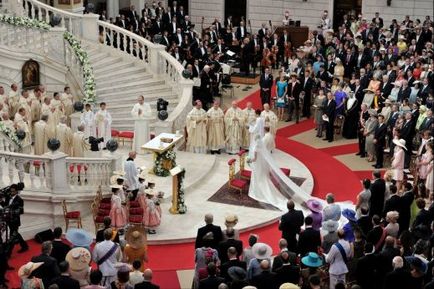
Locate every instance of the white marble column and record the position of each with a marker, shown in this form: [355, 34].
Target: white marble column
[112, 8]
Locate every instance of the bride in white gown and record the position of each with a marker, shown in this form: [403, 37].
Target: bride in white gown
[268, 184]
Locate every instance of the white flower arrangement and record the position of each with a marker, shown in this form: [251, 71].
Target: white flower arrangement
[159, 169]
[10, 133]
[182, 208]
[89, 79]
[24, 22]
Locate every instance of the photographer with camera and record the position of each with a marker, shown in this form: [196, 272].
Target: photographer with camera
[15, 204]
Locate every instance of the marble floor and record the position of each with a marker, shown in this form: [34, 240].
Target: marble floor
[205, 174]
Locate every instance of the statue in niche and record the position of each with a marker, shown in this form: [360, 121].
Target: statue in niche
[30, 74]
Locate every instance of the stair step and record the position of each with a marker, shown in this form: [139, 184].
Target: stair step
[105, 62]
[113, 67]
[132, 99]
[136, 91]
[97, 57]
[129, 85]
[119, 72]
[122, 79]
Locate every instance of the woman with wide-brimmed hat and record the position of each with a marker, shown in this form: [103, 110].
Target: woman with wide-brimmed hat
[398, 161]
[315, 208]
[79, 259]
[136, 247]
[28, 281]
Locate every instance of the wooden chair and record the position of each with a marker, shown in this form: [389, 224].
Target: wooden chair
[98, 217]
[244, 174]
[234, 183]
[126, 136]
[73, 216]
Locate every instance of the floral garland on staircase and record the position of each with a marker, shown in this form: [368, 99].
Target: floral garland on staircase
[164, 162]
[89, 79]
[182, 207]
[12, 136]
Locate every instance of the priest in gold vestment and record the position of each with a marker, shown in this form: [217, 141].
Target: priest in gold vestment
[196, 129]
[79, 143]
[41, 136]
[270, 118]
[64, 135]
[216, 128]
[234, 124]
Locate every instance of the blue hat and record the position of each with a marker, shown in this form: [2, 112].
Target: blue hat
[349, 214]
[312, 260]
[79, 237]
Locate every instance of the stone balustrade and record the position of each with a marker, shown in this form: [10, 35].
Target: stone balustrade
[55, 172]
[24, 38]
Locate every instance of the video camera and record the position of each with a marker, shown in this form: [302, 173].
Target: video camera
[6, 191]
[94, 142]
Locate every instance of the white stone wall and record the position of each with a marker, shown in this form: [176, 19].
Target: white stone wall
[398, 9]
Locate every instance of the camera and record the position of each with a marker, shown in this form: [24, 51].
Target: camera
[6, 191]
[94, 142]
[162, 104]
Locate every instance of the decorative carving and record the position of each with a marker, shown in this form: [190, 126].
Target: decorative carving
[30, 74]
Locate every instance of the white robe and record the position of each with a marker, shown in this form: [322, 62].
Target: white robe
[87, 119]
[22, 124]
[64, 135]
[41, 138]
[131, 175]
[249, 119]
[145, 108]
[234, 129]
[270, 120]
[67, 102]
[196, 130]
[103, 122]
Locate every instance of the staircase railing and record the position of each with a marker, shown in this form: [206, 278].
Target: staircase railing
[7, 144]
[55, 172]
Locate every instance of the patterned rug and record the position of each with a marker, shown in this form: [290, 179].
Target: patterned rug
[226, 195]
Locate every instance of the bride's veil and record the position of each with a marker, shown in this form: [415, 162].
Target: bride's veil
[282, 183]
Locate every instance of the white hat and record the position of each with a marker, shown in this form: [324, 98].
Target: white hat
[400, 143]
[262, 251]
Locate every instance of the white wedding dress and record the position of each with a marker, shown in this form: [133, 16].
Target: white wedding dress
[268, 184]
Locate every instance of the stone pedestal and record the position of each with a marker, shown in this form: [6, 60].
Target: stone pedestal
[90, 26]
[117, 161]
[56, 47]
[57, 172]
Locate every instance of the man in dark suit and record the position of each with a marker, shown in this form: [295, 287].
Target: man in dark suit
[308, 84]
[394, 201]
[16, 205]
[364, 221]
[60, 249]
[380, 141]
[232, 261]
[407, 133]
[424, 90]
[376, 236]
[230, 242]
[147, 283]
[428, 122]
[107, 225]
[290, 224]
[386, 256]
[405, 208]
[367, 266]
[378, 190]
[404, 91]
[266, 279]
[330, 112]
[216, 231]
[49, 270]
[399, 277]
[310, 239]
[212, 281]
[64, 281]
[266, 82]
[294, 90]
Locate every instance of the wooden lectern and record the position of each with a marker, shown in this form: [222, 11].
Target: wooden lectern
[175, 172]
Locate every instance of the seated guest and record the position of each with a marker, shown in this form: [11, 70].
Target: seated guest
[95, 278]
[65, 281]
[79, 260]
[107, 225]
[232, 261]
[49, 270]
[60, 249]
[230, 242]
[212, 281]
[147, 283]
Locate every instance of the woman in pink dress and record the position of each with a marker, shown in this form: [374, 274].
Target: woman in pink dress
[424, 162]
[398, 162]
[118, 213]
[151, 211]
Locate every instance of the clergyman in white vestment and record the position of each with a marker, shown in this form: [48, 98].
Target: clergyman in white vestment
[87, 119]
[141, 113]
[103, 122]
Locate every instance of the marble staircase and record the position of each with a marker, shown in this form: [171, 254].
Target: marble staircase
[121, 79]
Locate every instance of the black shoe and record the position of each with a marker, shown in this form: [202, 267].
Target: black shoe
[212, 152]
[23, 249]
[218, 152]
[330, 140]
[325, 138]
[288, 120]
[363, 155]
[151, 232]
[358, 154]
